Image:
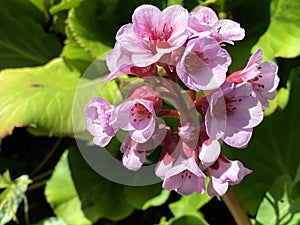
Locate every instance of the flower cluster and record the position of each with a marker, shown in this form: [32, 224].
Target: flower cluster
[188, 47]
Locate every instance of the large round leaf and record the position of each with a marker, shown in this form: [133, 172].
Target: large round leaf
[40, 98]
[81, 196]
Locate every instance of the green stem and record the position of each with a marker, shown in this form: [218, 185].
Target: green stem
[46, 159]
[235, 207]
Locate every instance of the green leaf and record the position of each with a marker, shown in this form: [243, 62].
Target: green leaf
[145, 196]
[51, 221]
[184, 220]
[189, 220]
[86, 196]
[64, 5]
[92, 34]
[62, 195]
[42, 6]
[175, 2]
[272, 151]
[283, 96]
[100, 197]
[189, 205]
[73, 50]
[40, 98]
[277, 208]
[283, 34]
[158, 200]
[5, 180]
[23, 40]
[12, 196]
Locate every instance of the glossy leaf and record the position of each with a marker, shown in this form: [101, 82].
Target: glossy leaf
[64, 5]
[277, 207]
[184, 220]
[283, 34]
[189, 205]
[94, 37]
[86, 194]
[62, 195]
[12, 196]
[23, 40]
[145, 196]
[100, 197]
[39, 98]
[51, 221]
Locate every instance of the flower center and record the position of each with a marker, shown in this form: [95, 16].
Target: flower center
[225, 106]
[186, 175]
[159, 39]
[140, 116]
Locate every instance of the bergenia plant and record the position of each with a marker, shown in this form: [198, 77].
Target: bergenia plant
[187, 49]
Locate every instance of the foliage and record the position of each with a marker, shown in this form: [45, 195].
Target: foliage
[46, 47]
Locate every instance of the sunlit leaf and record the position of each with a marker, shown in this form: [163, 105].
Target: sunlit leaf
[184, 220]
[90, 195]
[12, 196]
[40, 98]
[283, 34]
[277, 208]
[51, 221]
[189, 205]
[64, 5]
[62, 195]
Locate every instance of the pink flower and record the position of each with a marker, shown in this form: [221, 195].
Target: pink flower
[119, 63]
[135, 153]
[262, 75]
[225, 172]
[153, 33]
[232, 113]
[204, 64]
[224, 30]
[209, 150]
[98, 116]
[138, 113]
[178, 167]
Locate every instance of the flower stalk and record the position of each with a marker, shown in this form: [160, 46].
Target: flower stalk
[235, 207]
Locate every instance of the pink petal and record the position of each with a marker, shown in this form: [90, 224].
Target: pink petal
[230, 30]
[133, 160]
[144, 18]
[209, 152]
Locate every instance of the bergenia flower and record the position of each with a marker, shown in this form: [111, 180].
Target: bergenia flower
[179, 169]
[204, 64]
[224, 30]
[262, 75]
[119, 63]
[223, 173]
[153, 33]
[232, 113]
[98, 117]
[135, 153]
[137, 114]
[209, 150]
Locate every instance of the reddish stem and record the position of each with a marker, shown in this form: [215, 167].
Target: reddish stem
[193, 95]
[168, 112]
[172, 75]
